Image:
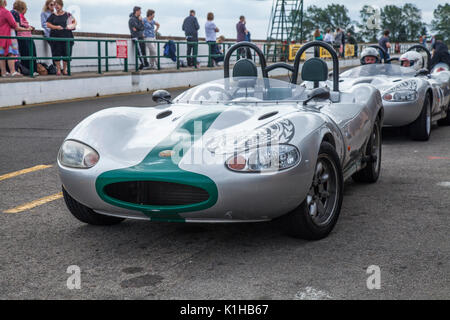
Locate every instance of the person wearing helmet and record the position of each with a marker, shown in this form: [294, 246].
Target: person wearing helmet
[370, 56]
[412, 59]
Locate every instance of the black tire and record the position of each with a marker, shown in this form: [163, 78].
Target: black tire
[87, 215]
[445, 121]
[371, 171]
[420, 129]
[300, 223]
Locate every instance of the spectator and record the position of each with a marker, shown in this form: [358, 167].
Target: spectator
[150, 35]
[47, 11]
[190, 28]
[242, 33]
[339, 42]
[61, 24]
[8, 47]
[424, 41]
[329, 37]
[318, 35]
[385, 44]
[352, 41]
[440, 54]
[210, 36]
[137, 28]
[25, 31]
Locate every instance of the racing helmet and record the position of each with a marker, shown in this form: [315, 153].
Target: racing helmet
[412, 59]
[370, 52]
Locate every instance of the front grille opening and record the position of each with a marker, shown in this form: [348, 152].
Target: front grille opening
[155, 193]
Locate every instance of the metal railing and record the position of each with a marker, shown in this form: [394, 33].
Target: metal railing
[103, 58]
[224, 46]
[68, 42]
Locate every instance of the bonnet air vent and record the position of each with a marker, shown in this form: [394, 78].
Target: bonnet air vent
[164, 114]
[268, 115]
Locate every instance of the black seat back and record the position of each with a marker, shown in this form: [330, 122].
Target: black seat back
[245, 68]
[315, 69]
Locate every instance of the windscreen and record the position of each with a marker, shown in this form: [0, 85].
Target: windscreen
[379, 69]
[243, 90]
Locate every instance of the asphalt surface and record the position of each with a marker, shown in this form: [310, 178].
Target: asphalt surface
[400, 224]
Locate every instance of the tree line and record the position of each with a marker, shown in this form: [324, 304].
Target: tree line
[404, 22]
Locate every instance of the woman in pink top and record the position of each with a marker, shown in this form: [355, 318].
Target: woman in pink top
[8, 47]
[24, 30]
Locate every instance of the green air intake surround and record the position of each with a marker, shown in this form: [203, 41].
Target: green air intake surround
[164, 169]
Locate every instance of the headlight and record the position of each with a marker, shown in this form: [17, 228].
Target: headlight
[75, 154]
[265, 159]
[399, 96]
[404, 91]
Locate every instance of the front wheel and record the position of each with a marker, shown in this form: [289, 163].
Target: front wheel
[421, 128]
[87, 215]
[317, 215]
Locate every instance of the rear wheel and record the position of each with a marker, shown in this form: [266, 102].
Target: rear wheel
[87, 215]
[421, 128]
[445, 121]
[317, 215]
[371, 172]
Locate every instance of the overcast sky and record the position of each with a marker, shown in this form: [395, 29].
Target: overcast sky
[111, 16]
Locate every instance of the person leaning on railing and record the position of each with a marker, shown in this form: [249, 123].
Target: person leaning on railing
[150, 35]
[61, 24]
[8, 47]
[47, 11]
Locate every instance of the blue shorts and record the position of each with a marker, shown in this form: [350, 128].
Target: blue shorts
[12, 50]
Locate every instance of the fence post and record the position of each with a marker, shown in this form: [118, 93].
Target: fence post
[158, 53]
[32, 58]
[178, 55]
[68, 49]
[106, 56]
[136, 55]
[99, 56]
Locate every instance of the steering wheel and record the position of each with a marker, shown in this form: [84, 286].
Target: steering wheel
[205, 92]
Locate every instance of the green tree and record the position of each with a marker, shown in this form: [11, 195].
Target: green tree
[412, 20]
[369, 24]
[441, 22]
[391, 19]
[332, 16]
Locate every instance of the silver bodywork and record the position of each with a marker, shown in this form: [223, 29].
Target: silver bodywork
[397, 114]
[124, 136]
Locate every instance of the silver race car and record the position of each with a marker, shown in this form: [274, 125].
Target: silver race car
[239, 149]
[412, 96]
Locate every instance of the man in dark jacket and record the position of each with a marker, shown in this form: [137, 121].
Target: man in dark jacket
[137, 33]
[190, 28]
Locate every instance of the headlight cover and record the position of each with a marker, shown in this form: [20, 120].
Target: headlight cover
[404, 91]
[401, 96]
[265, 159]
[74, 154]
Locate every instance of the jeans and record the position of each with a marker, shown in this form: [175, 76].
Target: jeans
[141, 52]
[192, 49]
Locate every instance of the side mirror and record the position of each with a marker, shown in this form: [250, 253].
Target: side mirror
[318, 93]
[162, 95]
[422, 72]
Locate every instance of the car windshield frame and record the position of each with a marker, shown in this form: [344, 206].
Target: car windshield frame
[244, 90]
[370, 70]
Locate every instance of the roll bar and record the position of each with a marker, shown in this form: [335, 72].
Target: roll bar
[333, 55]
[423, 48]
[382, 50]
[244, 44]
